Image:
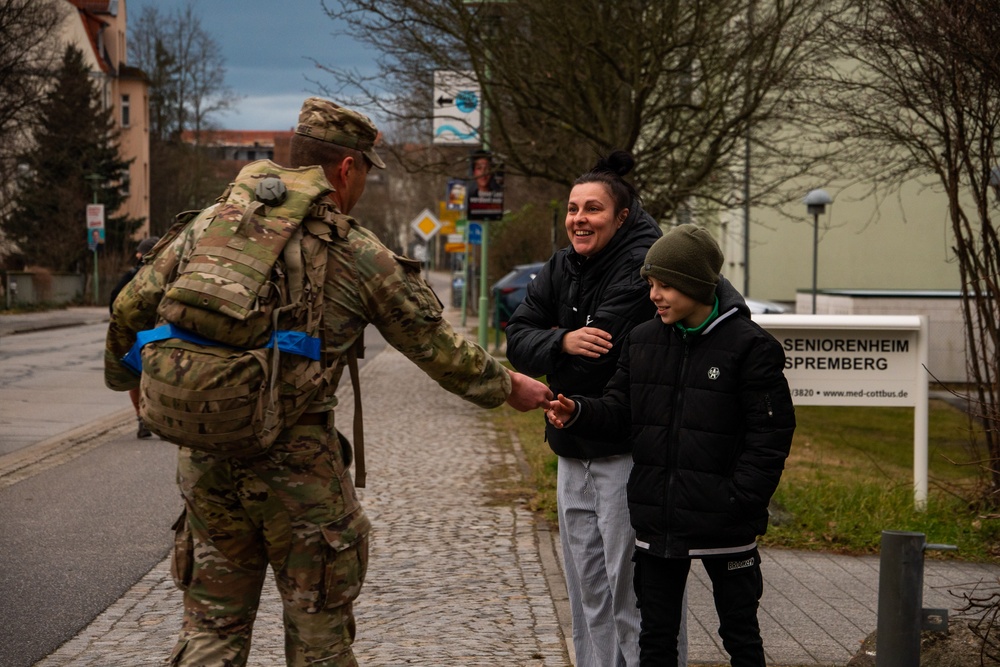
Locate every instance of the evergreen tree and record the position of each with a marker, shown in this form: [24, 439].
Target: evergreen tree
[75, 157]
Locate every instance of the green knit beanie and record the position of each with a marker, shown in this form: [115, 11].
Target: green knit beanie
[686, 258]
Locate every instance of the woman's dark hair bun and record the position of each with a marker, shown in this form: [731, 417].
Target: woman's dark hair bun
[610, 170]
[617, 162]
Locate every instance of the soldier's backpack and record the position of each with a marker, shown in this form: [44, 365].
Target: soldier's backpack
[238, 353]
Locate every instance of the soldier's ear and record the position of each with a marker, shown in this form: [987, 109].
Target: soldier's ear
[337, 172]
[348, 164]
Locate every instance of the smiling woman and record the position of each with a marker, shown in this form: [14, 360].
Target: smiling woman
[592, 218]
[569, 327]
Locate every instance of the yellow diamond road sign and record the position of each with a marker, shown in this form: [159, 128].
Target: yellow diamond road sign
[426, 225]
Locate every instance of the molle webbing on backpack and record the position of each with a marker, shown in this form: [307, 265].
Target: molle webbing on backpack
[230, 269]
[248, 359]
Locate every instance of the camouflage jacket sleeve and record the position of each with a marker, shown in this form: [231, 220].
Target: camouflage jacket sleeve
[369, 283]
[134, 309]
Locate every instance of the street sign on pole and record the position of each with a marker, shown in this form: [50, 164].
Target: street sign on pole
[95, 216]
[426, 225]
[95, 237]
[457, 108]
[475, 233]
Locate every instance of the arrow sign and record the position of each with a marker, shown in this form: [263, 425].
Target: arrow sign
[457, 109]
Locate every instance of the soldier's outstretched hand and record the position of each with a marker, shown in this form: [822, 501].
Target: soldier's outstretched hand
[560, 410]
[527, 393]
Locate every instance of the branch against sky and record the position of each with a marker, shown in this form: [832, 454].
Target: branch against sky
[677, 83]
[187, 91]
[185, 67]
[921, 98]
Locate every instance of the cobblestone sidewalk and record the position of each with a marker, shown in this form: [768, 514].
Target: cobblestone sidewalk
[454, 579]
[459, 580]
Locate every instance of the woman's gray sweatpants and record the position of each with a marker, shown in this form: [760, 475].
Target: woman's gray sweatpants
[598, 543]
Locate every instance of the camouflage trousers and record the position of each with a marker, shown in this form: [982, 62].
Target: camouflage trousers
[295, 509]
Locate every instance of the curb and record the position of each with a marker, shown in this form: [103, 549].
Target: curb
[60, 449]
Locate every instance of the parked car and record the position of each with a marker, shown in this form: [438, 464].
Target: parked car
[765, 307]
[509, 291]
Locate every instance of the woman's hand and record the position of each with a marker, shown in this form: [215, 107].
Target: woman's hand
[587, 342]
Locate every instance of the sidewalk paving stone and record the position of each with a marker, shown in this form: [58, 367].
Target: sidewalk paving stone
[459, 579]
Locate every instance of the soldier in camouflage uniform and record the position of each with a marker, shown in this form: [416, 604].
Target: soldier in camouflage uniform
[295, 507]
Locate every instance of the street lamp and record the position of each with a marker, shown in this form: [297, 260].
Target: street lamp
[816, 201]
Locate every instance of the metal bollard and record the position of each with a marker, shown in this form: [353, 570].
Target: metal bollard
[901, 616]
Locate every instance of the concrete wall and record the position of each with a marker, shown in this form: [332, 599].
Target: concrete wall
[24, 288]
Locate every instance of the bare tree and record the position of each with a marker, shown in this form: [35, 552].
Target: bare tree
[917, 95]
[680, 84]
[187, 89]
[186, 69]
[28, 62]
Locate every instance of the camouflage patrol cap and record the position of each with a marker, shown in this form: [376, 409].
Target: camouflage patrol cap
[324, 120]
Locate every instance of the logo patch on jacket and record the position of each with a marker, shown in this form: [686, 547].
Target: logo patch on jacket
[714, 373]
[739, 564]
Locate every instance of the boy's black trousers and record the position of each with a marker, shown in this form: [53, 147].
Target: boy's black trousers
[736, 585]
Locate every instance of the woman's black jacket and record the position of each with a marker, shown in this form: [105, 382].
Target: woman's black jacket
[570, 292]
[711, 420]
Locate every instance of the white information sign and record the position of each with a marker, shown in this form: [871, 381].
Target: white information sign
[95, 216]
[846, 360]
[862, 360]
[457, 108]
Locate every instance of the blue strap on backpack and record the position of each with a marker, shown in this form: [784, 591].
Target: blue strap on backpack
[291, 342]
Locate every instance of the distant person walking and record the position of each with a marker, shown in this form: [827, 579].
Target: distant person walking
[144, 246]
[570, 328]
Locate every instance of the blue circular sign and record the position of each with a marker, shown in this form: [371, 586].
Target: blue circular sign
[467, 101]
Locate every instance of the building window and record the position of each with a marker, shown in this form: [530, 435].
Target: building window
[126, 112]
[126, 182]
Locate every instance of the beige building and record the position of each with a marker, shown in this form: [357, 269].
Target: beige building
[98, 28]
[900, 242]
[889, 255]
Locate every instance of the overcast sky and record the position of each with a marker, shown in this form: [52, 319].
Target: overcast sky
[267, 46]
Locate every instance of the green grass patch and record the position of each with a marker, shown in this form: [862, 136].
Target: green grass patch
[849, 477]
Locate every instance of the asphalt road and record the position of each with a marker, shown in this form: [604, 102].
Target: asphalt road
[76, 536]
[83, 517]
[52, 381]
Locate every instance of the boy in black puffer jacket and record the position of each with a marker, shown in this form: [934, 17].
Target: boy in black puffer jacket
[702, 391]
